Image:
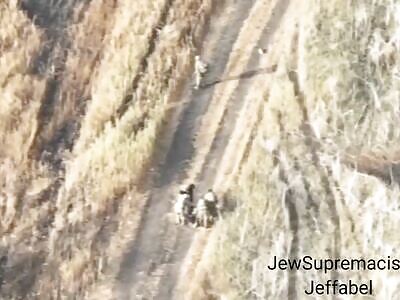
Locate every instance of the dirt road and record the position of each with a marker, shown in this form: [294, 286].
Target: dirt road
[151, 267]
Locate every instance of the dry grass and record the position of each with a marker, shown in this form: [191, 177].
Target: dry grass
[20, 42]
[320, 177]
[68, 223]
[74, 64]
[303, 196]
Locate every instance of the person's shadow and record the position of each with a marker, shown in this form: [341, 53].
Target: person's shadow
[245, 75]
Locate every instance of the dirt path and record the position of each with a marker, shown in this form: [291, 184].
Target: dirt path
[151, 267]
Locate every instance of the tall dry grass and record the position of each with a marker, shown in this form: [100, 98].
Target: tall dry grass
[19, 43]
[73, 63]
[66, 220]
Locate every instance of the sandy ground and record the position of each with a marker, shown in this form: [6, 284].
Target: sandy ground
[203, 130]
[160, 244]
[266, 17]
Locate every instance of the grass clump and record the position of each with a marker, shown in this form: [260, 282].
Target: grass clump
[76, 155]
[329, 188]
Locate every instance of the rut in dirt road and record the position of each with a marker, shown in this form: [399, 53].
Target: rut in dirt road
[151, 267]
[156, 244]
[325, 172]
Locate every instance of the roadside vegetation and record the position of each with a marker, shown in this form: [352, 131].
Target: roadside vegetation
[321, 177]
[85, 88]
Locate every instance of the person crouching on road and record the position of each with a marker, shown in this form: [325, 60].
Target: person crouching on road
[212, 203]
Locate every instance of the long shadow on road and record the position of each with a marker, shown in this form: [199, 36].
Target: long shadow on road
[149, 250]
[221, 139]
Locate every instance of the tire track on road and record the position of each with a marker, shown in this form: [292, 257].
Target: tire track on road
[289, 204]
[237, 96]
[151, 250]
[313, 144]
[150, 267]
[232, 140]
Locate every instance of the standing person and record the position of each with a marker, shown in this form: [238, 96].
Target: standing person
[199, 68]
[182, 203]
[189, 190]
[201, 213]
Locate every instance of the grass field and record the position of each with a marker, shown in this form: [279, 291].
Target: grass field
[321, 177]
[85, 88]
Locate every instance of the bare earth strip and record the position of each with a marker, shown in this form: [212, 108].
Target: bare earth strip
[265, 15]
[151, 267]
[159, 242]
